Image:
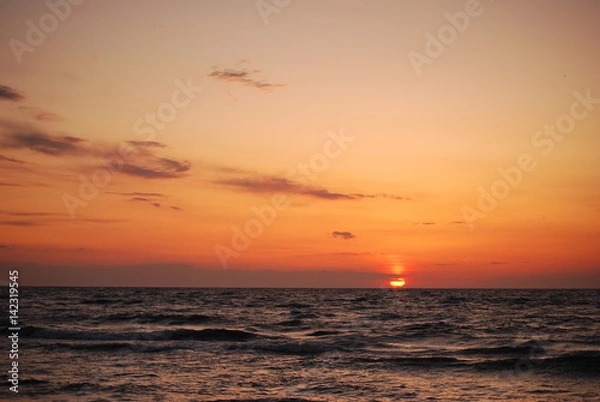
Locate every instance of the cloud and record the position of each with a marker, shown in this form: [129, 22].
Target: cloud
[391, 196]
[174, 165]
[498, 262]
[99, 220]
[150, 198]
[23, 184]
[343, 235]
[29, 213]
[148, 144]
[160, 169]
[243, 77]
[48, 116]
[19, 223]
[137, 194]
[276, 184]
[20, 138]
[43, 115]
[146, 164]
[7, 159]
[10, 94]
[151, 166]
[273, 184]
[47, 218]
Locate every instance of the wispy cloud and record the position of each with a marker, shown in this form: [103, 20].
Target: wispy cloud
[48, 116]
[148, 198]
[243, 76]
[142, 199]
[42, 114]
[10, 94]
[12, 213]
[343, 235]
[147, 144]
[22, 184]
[273, 184]
[276, 184]
[149, 165]
[145, 164]
[7, 159]
[19, 137]
[98, 220]
[45, 218]
[158, 169]
[137, 194]
[19, 223]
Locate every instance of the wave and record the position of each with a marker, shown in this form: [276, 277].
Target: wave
[119, 347]
[214, 335]
[584, 362]
[427, 329]
[522, 350]
[164, 319]
[289, 323]
[577, 362]
[283, 399]
[323, 333]
[99, 301]
[287, 347]
[412, 361]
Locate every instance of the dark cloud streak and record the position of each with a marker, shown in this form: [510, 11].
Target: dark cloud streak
[10, 94]
[343, 235]
[272, 184]
[244, 77]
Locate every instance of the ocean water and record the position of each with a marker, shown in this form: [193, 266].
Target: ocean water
[143, 344]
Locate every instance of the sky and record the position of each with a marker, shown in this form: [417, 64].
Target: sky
[300, 143]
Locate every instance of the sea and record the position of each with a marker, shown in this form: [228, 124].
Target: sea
[296, 345]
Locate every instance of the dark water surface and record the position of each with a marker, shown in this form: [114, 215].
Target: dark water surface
[140, 344]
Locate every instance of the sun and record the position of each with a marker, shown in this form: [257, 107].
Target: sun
[397, 283]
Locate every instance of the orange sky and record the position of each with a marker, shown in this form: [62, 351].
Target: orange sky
[301, 137]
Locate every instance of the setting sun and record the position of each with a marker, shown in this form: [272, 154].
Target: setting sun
[397, 283]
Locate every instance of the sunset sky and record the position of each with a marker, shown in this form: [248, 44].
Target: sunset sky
[141, 140]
